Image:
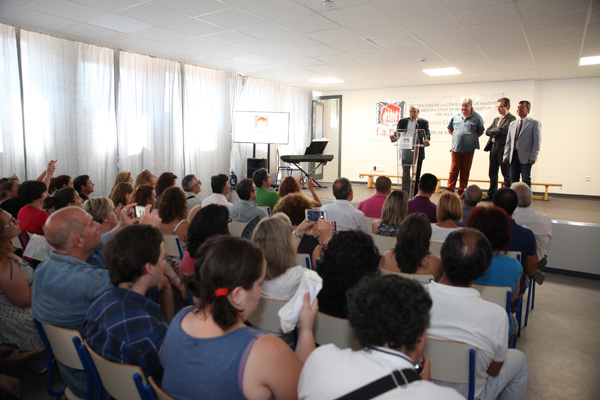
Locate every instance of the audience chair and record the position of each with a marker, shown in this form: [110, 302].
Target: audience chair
[266, 315]
[17, 242]
[173, 246]
[452, 362]
[500, 295]
[154, 392]
[193, 211]
[267, 210]
[303, 259]
[90, 369]
[424, 279]
[530, 296]
[59, 345]
[121, 381]
[384, 243]
[370, 221]
[236, 228]
[330, 329]
[519, 301]
[435, 248]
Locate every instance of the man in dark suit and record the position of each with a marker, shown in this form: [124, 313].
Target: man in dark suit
[522, 144]
[413, 123]
[495, 145]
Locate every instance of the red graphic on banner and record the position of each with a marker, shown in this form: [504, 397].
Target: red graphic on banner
[389, 113]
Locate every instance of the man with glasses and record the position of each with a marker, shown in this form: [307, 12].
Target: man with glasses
[192, 188]
[495, 145]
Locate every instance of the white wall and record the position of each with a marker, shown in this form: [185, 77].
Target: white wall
[568, 110]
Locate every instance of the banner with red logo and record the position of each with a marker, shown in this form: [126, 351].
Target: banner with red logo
[387, 115]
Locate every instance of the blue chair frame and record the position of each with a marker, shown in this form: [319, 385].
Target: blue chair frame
[57, 395]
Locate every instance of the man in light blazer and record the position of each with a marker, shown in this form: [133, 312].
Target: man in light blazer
[522, 144]
[497, 140]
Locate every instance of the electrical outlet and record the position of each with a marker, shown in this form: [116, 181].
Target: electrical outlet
[588, 178]
[379, 168]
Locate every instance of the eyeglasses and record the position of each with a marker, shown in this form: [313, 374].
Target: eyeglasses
[13, 221]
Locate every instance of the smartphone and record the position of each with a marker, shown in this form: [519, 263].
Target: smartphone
[303, 180]
[139, 211]
[315, 215]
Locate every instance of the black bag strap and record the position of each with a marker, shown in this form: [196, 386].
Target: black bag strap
[396, 379]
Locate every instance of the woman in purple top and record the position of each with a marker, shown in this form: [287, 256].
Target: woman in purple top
[210, 353]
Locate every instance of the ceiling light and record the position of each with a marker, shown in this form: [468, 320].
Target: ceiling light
[326, 80]
[442, 71]
[589, 60]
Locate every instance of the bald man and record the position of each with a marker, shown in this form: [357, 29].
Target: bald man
[65, 284]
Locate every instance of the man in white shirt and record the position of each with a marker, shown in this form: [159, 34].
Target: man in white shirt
[539, 224]
[192, 188]
[460, 314]
[220, 187]
[346, 217]
[388, 315]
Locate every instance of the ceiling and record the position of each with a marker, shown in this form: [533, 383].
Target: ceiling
[365, 43]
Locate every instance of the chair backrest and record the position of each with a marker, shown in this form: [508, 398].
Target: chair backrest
[61, 341]
[435, 248]
[236, 228]
[159, 394]
[424, 279]
[118, 379]
[16, 242]
[384, 243]
[266, 315]
[267, 210]
[496, 294]
[452, 362]
[514, 254]
[330, 329]
[173, 246]
[370, 221]
[303, 259]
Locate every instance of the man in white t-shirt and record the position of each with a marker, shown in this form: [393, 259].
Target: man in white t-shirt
[220, 188]
[388, 315]
[346, 217]
[460, 314]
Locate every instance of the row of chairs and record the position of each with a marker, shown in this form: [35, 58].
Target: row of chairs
[120, 381]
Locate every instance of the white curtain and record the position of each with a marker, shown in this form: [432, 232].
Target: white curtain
[68, 94]
[12, 152]
[149, 115]
[253, 94]
[206, 123]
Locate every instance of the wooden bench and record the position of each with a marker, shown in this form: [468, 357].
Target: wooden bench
[546, 197]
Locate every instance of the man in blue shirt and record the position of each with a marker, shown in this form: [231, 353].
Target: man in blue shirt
[123, 325]
[465, 128]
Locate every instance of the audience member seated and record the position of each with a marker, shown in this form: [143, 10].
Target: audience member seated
[123, 325]
[62, 198]
[411, 254]
[123, 177]
[31, 216]
[539, 224]
[146, 177]
[346, 217]
[264, 196]
[372, 206]
[192, 188]
[84, 186]
[422, 201]
[210, 220]
[389, 316]
[220, 188]
[392, 214]
[294, 206]
[449, 210]
[173, 213]
[521, 238]
[122, 194]
[145, 195]
[165, 180]
[350, 255]
[289, 184]
[460, 314]
[246, 209]
[61, 181]
[16, 279]
[274, 237]
[9, 197]
[65, 284]
[210, 353]
[471, 197]
[102, 210]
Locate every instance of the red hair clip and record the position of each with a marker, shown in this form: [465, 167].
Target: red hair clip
[221, 292]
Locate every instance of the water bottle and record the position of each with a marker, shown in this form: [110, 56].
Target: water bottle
[232, 179]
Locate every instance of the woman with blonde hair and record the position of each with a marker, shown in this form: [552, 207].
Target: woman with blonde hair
[123, 177]
[393, 213]
[289, 184]
[449, 210]
[122, 194]
[146, 177]
[102, 210]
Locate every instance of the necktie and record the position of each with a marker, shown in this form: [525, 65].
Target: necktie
[518, 130]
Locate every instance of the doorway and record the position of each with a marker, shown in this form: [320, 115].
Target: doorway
[327, 124]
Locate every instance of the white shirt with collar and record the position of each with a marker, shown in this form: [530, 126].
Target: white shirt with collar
[346, 217]
[216, 198]
[192, 199]
[330, 372]
[539, 224]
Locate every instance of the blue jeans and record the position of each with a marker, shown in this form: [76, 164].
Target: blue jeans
[517, 169]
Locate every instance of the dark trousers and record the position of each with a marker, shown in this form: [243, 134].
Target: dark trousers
[495, 163]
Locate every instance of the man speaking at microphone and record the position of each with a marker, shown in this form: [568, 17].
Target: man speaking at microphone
[411, 124]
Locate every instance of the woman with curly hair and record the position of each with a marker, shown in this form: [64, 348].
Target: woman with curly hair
[146, 177]
[393, 213]
[165, 180]
[289, 184]
[411, 254]
[122, 194]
